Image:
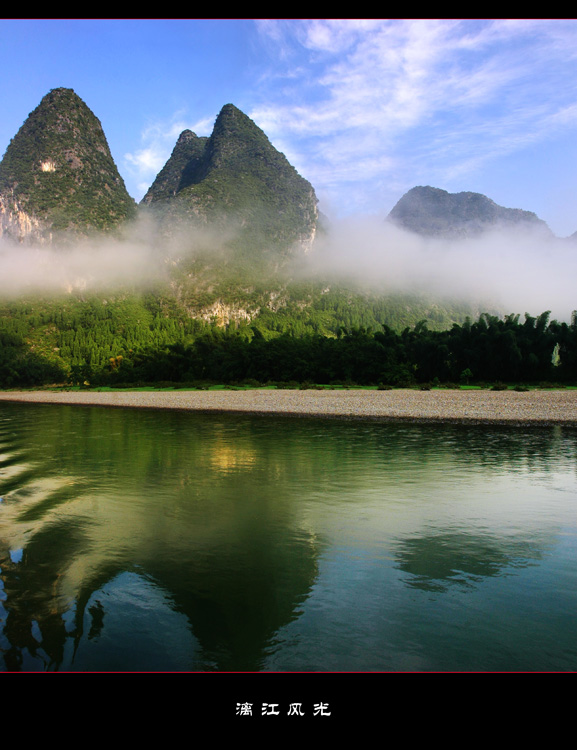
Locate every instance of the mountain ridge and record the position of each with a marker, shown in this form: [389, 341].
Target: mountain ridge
[58, 179]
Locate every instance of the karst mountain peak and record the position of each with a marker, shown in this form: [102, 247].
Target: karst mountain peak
[58, 176]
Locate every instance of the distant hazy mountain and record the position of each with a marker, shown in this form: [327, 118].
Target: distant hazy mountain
[433, 212]
[58, 175]
[236, 178]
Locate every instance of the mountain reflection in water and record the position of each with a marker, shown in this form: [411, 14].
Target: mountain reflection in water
[167, 541]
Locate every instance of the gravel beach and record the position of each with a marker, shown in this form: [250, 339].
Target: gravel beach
[496, 407]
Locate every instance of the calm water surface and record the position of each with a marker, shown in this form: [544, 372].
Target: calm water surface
[145, 540]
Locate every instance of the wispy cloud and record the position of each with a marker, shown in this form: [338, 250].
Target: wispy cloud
[351, 97]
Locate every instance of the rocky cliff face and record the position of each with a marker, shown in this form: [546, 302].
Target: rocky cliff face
[433, 212]
[58, 178]
[17, 224]
[238, 180]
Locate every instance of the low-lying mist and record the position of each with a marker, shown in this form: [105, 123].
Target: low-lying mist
[516, 271]
[141, 257]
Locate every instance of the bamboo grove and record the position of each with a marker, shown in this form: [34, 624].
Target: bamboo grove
[153, 348]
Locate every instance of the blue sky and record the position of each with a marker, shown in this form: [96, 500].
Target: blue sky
[365, 109]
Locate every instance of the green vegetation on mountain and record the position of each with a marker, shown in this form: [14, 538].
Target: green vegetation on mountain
[58, 170]
[71, 334]
[146, 338]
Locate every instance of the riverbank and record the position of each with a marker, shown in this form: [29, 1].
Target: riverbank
[468, 406]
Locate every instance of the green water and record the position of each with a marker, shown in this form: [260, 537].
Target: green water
[136, 540]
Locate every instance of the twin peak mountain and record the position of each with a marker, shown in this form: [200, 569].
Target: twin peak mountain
[59, 182]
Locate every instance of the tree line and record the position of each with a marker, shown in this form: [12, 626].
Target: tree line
[488, 350]
[491, 349]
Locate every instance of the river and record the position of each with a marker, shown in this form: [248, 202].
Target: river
[143, 540]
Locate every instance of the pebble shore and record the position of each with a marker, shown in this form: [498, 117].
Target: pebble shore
[468, 406]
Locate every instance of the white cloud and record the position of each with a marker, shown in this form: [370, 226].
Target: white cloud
[353, 96]
[148, 160]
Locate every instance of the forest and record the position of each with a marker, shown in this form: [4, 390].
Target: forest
[135, 341]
